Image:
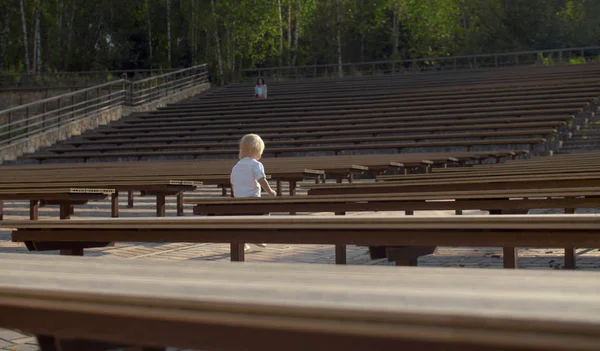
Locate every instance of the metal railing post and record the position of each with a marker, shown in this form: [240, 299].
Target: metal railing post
[45, 109]
[9, 126]
[27, 120]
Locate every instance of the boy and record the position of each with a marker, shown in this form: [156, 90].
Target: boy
[248, 175]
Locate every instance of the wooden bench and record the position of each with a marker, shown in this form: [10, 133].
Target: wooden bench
[72, 237]
[356, 128]
[210, 113]
[66, 198]
[476, 183]
[292, 114]
[467, 144]
[158, 188]
[84, 141]
[497, 202]
[541, 132]
[220, 306]
[565, 86]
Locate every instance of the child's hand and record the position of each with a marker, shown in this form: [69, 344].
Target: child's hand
[272, 193]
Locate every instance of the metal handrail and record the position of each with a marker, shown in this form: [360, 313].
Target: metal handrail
[39, 79]
[413, 63]
[21, 122]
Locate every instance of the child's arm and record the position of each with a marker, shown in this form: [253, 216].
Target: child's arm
[266, 187]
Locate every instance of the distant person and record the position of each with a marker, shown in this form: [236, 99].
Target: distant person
[260, 89]
[248, 175]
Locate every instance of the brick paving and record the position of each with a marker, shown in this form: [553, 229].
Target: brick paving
[479, 257]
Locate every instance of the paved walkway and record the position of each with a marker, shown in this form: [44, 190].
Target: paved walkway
[588, 259]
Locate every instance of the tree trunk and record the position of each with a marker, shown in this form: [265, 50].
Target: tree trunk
[25, 41]
[60, 11]
[70, 37]
[38, 39]
[217, 41]
[339, 36]
[193, 32]
[169, 30]
[3, 39]
[297, 31]
[395, 34]
[148, 24]
[289, 32]
[280, 34]
[362, 47]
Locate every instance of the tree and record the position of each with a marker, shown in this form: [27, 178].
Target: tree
[230, 35]
[25, 41]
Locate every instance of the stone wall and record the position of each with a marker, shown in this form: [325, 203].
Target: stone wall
[50, 137]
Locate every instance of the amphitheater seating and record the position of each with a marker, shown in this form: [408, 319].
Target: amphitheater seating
[152, 307]
[504, 109]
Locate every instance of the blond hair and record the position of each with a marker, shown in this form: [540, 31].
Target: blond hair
[251, 145]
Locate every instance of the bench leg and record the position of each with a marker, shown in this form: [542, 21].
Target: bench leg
[161, 202]
[340, 254]
[1, 210]
[292, 191]
[237, 253]
[407, 263]
[278, 187]
[223, 191]
[114, 205]
[180, 203]
[130, 199]
[570, 259]
[340, 250]
[33, 210]
[458, 212]
[65, 211]
[72, 252]
[511, 257]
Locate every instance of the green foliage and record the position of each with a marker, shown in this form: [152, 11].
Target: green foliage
[577, 61]
[80, 35]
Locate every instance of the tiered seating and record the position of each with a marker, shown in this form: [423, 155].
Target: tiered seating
[487, 114]
[512, 109]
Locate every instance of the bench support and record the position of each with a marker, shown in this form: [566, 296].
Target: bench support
[1, 210]
[340, 254]
[408, 255]
[340, 250]
[279, 189]
[65, 211]
[570, 258]
[72, 252]
[237, 252]
[130, 199]
[34, 210]
[114, 205]
[510, 254]
[161, 205]
[50, 343]
[511, 257]
[292, 191]
[180, 203]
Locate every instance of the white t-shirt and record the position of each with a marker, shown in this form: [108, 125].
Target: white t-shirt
[245, 176]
